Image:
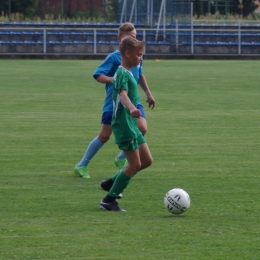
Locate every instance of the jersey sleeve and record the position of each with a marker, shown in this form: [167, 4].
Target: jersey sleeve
[105, 67]
[141, 69]
[120, 81]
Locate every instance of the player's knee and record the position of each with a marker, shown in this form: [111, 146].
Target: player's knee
[136, 166]
[103, 138]
[147, 162]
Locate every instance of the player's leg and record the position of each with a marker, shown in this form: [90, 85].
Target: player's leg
[81, 168]
[121, 161]
[122, 178]
[145, 156]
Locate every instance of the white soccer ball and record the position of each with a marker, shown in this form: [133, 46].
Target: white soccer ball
[177, 201]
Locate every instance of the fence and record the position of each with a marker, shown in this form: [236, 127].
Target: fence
[175, 38]
[151, 12]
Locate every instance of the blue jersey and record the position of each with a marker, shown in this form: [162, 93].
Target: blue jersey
[108, 68]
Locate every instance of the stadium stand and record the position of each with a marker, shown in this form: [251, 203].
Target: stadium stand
[183, 38]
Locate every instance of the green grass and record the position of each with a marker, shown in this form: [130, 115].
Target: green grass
[204, 137]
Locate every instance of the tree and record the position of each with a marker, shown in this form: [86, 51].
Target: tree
[249, 7]
[197, 8]
[25, 7]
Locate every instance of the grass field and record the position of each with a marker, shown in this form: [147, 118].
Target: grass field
[204, 134]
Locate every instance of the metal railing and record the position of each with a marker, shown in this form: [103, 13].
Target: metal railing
[176, 38]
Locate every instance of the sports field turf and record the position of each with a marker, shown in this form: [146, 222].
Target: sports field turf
[204, 134]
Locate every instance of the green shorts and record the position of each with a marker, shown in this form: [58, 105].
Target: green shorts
[133, 144]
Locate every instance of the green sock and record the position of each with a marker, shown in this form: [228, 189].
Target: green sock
[115, 176]
[120, 183]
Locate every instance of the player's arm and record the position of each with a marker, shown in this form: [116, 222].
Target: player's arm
[104, 79]
[127, 102]
[144, 85]
[104, 69]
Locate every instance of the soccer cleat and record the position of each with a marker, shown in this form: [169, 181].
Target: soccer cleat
[110, 206]
[120, 163]
[82, 171]
[106, 185]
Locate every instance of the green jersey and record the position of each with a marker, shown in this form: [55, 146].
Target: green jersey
[124, 126]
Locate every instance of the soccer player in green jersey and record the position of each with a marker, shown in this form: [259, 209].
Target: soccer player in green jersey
[124, 123]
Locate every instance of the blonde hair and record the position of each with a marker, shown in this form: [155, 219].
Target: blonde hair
[130, 43]
[125, 27]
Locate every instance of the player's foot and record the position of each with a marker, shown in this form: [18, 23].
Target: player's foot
[82, 171]
[111, 206]
[106, 185]
[120, 163]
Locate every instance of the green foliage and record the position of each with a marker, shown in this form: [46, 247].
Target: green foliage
[249, 7]
[203, 135]
[25, 7]
[197, 8]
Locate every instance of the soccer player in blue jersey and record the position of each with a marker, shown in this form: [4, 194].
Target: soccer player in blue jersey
[104, 74]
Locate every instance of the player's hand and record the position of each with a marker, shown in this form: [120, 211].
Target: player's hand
[151, 102]
[136, 113]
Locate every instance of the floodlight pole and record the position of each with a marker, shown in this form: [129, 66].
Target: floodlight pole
[132, 11]
[123, 10]
[9, 10]
[162, 9]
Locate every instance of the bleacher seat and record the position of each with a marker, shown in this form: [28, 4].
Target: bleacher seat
[79, 42]
[54, 24]
[27, 35]
[255, 47]
[102, 25]
[53, 42]
[83, 46]
[246, 43]
[7, 24]
[4, 35]
[33, 47]
[30, 42]
[103, 46]
[66, 42]
[43, 24]
[114, 45]
[211, 43]
[90, 24]
[17, 46]
[138, 25]
[223, 44]
[67, 24]
[233, 43]
[5, 42]
[255, 43]
[247, 48]
[184, 25]
[18, 23]
[171, 25]
[116, 25]
[64, 33]
[164, 46]
[5, 46]
[151, 47]
[76, 33]
[78, 24]
[31, 24]
[200, 43]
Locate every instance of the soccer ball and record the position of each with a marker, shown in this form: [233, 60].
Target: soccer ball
[177, 201]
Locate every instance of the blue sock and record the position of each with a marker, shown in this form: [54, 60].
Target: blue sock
[121, 156]
[93, 148]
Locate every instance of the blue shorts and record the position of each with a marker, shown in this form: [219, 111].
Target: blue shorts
[107, 116]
